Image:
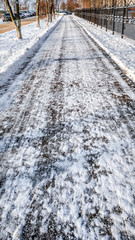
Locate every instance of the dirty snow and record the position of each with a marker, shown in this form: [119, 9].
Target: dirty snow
[67, 144]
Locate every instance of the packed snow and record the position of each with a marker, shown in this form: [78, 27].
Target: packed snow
[16, 52]
[122, 51]
[67, 141]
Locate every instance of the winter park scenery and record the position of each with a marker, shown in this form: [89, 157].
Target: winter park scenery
[67, 120]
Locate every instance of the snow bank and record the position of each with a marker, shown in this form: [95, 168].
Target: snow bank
[1, 21]
[16, 53]
[122, 51]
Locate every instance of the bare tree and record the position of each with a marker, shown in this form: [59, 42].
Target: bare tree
[25, 3]
[47, 7]
[3, 5]
[47, 11]
[63, 6]
[37, 12]
[51, 10]
[17, 22]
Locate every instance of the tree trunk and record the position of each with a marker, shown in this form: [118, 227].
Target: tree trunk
[17, 26]
[19, 34]
[53, 11]
[47, 15]
[37, 12]
[48, 10]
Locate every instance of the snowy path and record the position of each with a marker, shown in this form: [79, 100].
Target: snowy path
[68, 145]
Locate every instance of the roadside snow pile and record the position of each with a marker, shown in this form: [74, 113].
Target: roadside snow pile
[122, 51]
[16, 53]
[1, 21]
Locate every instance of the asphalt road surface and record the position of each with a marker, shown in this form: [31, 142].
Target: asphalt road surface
[67, 144]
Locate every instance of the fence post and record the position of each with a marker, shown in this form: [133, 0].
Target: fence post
[113, 20]
[95, 17]
[101, 17]
[123, 25]
[106, 20]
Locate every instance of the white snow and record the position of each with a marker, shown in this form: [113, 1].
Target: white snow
[72, 168]
[122, 51]
[15, 52]
[1, 21]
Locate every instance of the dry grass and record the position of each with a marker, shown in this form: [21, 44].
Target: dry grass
[8, 26]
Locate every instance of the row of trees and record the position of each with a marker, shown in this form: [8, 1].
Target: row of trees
[24, 4]
[48, 6]
[70, 5]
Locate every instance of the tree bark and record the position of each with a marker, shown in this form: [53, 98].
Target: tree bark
[48, 10]
[19, 34]
[37, 12]
[18, 22]
[47, 14]
[53, 11]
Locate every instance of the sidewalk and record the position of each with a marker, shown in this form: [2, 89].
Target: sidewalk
[122, 51]
[66, 142]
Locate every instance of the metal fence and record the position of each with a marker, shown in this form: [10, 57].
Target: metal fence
[117, 19]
